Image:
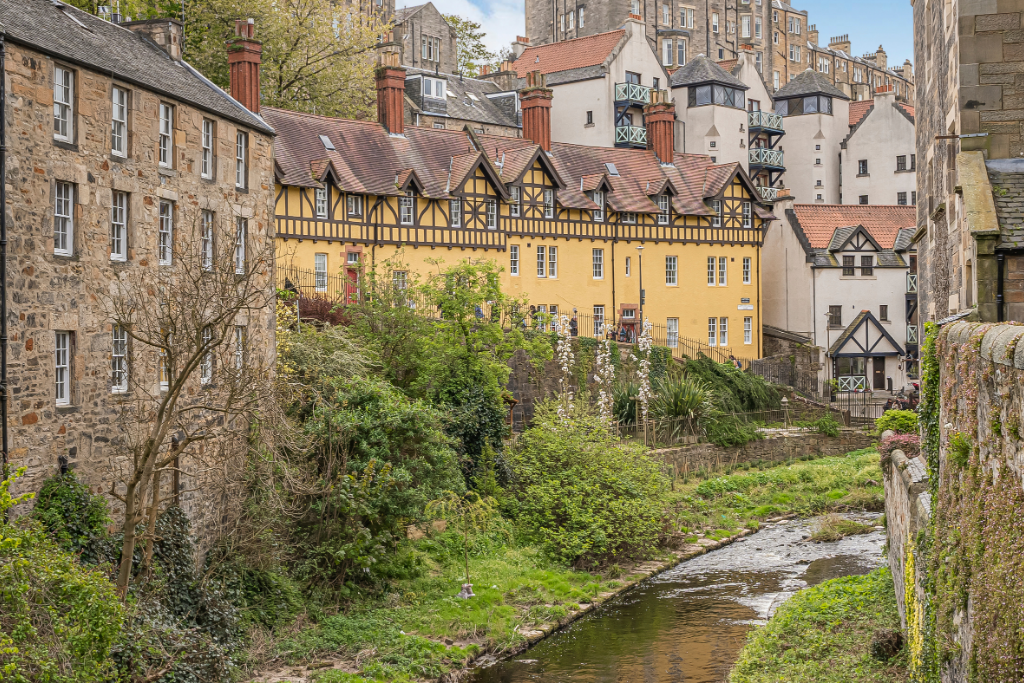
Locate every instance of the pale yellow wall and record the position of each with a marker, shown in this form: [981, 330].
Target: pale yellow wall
[691, 300]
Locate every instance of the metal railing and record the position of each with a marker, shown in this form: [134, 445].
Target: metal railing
[768, 194]
[632, 92]
[762, 156]
[765, 119]
[310, 283]
[912, 334]
[853, 383]
[911, 283]
[630, 135]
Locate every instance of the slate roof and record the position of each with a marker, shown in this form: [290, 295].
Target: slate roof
[818, 222]
[808, 83]
[778, 4]
[568, 54]
[1008, 194]
[405, 12]
[366, 160]
[78, 37]
[461, 106]
[700, 69]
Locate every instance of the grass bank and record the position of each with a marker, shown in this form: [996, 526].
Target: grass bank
[416, 629]
[824, 635]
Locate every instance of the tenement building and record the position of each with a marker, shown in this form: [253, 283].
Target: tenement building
[606, 235]
[114, 147]
[970, 60]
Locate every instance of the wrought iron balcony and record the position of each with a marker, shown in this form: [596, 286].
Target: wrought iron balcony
[912, 335]
[764, 120]
[631, 136]
[634, 93]
[763, 157]
[911, 283]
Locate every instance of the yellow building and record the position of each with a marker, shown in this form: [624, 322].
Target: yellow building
[566, 222]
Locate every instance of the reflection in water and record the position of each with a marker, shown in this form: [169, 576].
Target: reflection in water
[688, 624]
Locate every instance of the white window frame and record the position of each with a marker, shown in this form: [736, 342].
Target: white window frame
[712, 270]
[63, 218]
[572, 20]
[581, 16]
[746, 270]
[664, 209]
[406, 208]
[241, 236]
[671, 271]
[745, 26]
[166, 140]
[320, 272]
[629, 217]
[712, 331]
[723, 271]
[757, 27]
[666, 51]
[118, 226]
[672, 332]
[206, 365]
[597, 263]
[714, 22]
[455, 212]
[63, 104]
[355, 204]
[549, 203]
[628, 266]
[62, 367]
[241, 160]
[552, 262]
[492, 214]
[723, 331]
[400, 280]
[513, 259]
[118, 360]
[320, 197]
[748, 330]
[515, 201]
[598, 320]
[542, 261]
[681, 52]
[206, 237]
[206, 169]
[239, 346]
[119, 121]
[599, 200]
[165, 241]
[716, 220]
[748, 221]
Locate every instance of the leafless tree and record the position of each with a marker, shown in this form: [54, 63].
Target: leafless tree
[192, 358]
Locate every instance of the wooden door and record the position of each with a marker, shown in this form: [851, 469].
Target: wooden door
[879, 374]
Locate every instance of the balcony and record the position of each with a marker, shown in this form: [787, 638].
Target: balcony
[762, 157]
[631, 136]
[911, 283]
[772, 194]
[764, 121]
[632, 93]
[912, 339]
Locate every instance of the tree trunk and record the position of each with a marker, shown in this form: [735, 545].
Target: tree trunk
[128, 545]
[154, 509]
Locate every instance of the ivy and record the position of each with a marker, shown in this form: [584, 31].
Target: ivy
[75, 518]
[928, 409]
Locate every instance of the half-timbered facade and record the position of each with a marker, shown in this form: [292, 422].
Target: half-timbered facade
[575, 228]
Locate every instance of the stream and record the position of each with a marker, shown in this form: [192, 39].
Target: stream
[688, 624]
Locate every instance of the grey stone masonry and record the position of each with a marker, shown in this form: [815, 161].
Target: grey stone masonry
[55, 291]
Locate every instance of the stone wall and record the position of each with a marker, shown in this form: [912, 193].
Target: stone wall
[956, 538]
[50, 292]
[774, 449]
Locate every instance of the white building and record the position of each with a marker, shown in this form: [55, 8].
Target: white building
[878, 158]
[845, 276]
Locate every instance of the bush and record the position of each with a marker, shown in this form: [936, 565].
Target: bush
[899, 421]
[583, 497]
[75, 518]
[910, 444]
[58, 619]
[736, 391]
[827, 425]
[728, 430]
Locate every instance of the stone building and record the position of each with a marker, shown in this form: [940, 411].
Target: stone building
[970, 59]
[113, 143]
[426, 40]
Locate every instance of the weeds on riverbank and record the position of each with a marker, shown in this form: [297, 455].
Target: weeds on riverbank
[832, 527]
[754, 493]
[824, 635]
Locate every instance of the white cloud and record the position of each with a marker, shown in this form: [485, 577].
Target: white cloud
[501, 21]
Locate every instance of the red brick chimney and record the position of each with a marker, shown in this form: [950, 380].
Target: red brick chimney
[660, 120]
[244, 57]
[882, 89]
[484, 69]
[536, 102]
[391, 93]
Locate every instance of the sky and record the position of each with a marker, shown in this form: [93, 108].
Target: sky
[869, 23]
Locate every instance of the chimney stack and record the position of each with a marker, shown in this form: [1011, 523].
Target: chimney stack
[244, 58]
[812, 34]
[660, 120]
[166, 33]
[520, 45]
[484, 70]
[391, 93]
[535, 100]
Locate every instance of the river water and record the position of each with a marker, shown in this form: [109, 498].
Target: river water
[687, 625]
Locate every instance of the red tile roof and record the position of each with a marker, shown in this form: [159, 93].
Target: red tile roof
[568, 54]
[728, 64]
[819, 221]
[858, 110]
[909, 108]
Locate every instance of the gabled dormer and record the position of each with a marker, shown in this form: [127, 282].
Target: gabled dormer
[709, 84]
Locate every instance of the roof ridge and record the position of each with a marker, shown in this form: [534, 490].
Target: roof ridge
[573, 40]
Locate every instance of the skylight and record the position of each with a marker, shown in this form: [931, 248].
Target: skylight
[327, 142]
[611, 169]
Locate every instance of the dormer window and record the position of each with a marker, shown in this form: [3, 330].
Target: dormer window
[811, 104]
[434, 88]
[598, 197]
[663, 209]
[407, 208]
[723, 95]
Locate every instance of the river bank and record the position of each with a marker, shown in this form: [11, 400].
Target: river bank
[418, 630]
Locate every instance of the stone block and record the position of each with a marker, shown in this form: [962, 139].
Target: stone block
[982, 97]
[1001, 115]
[1004, 6]
[969, 7]
[1013, 37]
[969, 75]
[1001, 68]
[997, 22]
[980, 49]
[1013, 52]
[970, 122]
[993, 79]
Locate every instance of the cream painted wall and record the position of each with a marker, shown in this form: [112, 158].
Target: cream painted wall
[804, 133]
[787, 277]
[883, 135]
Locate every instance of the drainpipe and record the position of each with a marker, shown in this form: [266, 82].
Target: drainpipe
[3, 258]
[1000, 258]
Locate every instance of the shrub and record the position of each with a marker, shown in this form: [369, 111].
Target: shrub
[624, 397]
[728, 430]
[910, 444]
[736, 391]
[586, 499]
[827, 425]
[74, 517]
[899, 421]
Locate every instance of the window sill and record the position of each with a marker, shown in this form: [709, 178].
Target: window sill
[119, 158]
[167, 171]
[858, 277]
[863, 175]
[589, 125]
[65, 408]
[242, 190]
[65, 144]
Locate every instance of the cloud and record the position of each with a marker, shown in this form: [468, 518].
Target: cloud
[501, 21]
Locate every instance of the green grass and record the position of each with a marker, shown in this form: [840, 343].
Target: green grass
[751, 494]
[833, 527]
[823, 635]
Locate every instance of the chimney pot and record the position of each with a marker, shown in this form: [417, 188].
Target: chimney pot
[244, 58]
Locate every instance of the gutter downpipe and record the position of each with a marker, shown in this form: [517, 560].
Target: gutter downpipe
[4, 445]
